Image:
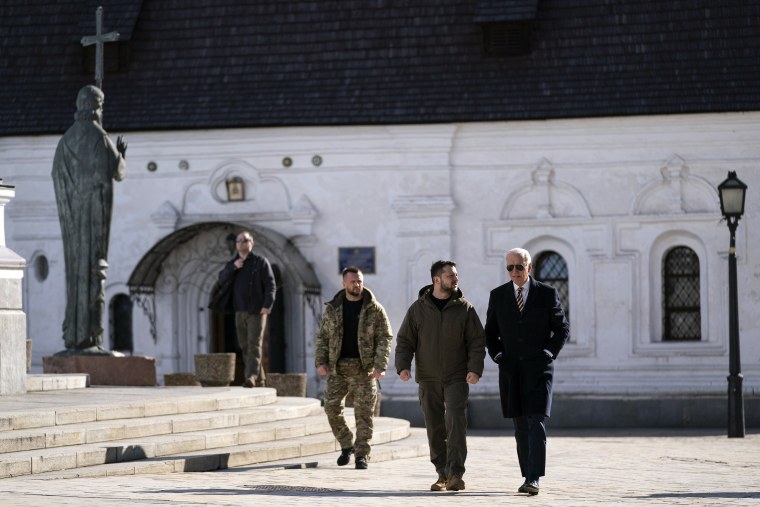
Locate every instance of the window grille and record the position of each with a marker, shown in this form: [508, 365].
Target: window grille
[550, 267]
[682, 319]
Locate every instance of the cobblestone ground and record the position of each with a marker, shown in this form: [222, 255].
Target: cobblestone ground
[594, 467]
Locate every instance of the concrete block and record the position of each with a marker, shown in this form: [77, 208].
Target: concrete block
[148, 427]
[75, 415]
[154, 408]
[135, 452]
[197, 405]
[12, 346]
[15, 467]
[64, 437]
[153, 467]
[33, 420]
[53, 462]
[248, 456]
[225, 439]
[290, 431]
[99, 456]
[203, 463]
[186, 425]
[255, 435]
[318, 447]
[180, 445]
[105, 434]
[15, 442]
[106, 370]
[128, 411]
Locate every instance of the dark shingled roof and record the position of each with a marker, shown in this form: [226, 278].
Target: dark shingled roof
[186, 64]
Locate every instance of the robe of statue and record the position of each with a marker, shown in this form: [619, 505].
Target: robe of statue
[85, 165]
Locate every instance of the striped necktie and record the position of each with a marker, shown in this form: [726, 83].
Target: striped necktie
[520, 303]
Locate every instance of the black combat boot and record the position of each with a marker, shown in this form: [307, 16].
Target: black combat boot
[345, 456]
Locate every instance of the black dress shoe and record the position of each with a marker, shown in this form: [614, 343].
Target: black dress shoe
[522, 489]
[531, 487]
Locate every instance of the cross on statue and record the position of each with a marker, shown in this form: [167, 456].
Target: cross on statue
[99, 39]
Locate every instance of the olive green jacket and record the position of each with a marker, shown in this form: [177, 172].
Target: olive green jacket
[445, 344]
[374, 333]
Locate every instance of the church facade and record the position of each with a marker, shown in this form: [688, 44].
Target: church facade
[608, 199]
[619, 210]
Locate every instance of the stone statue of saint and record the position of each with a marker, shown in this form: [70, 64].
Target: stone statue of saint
[86, 163]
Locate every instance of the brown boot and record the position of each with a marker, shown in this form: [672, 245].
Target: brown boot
[439, 485]
[454, 483]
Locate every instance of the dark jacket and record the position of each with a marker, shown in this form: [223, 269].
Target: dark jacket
[374, 333]
[445, 344]
[526, 371]
[261, 288]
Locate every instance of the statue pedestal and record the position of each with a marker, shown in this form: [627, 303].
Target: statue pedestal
[12, 318]
[106, 370]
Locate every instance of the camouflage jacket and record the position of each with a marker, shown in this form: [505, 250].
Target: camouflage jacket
[374, 333]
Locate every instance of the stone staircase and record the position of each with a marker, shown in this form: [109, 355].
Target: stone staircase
[119, 431]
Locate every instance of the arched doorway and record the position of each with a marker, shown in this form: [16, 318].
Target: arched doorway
[174, 283]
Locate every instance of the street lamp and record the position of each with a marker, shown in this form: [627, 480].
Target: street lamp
[732, 192]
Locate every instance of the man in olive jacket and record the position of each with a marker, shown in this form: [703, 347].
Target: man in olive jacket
[443, 333]
[353, 349]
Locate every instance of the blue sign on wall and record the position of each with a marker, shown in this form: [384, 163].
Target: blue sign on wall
[363, 257]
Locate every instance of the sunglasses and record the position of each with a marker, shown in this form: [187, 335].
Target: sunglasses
[518, 267]
[244, 240]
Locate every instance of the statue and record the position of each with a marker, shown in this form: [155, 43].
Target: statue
[86, 163]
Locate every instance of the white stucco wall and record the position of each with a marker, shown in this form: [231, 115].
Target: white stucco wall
[611, 195]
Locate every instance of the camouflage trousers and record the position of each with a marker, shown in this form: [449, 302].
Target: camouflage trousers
[349, 376]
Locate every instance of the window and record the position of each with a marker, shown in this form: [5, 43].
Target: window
[550, 267]
[681, 312]
[121, 323]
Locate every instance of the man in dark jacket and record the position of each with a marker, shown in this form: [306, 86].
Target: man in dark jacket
[253, 291]
[443, 333]
[525, 330]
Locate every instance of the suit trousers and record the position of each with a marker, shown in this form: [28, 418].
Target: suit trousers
[530, 434]
[443, 407]
[250, 334]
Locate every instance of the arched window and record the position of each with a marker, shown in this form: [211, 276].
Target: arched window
[120, 311]
[550, 267]
[681, 312]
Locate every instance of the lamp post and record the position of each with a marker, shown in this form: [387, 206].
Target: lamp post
[732, 192]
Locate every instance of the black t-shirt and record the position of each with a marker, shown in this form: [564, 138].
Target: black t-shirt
[350, 345]
[440, 303]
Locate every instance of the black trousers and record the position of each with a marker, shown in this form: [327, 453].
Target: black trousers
[530, 434]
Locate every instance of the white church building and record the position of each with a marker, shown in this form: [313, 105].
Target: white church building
[606, 173]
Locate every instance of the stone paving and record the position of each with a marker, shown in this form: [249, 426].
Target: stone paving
[589, 467]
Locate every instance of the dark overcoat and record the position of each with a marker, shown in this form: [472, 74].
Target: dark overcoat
[528, 344]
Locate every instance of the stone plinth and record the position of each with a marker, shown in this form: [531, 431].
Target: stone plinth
[181, 379]
[287, 384]
[12, 317]
[215, 370]
[106, 370]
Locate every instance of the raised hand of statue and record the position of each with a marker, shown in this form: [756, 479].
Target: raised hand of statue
[121, 146]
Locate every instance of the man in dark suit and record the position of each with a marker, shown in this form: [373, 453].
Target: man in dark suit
[525, 330]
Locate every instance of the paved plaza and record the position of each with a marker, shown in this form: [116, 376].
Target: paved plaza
[590, 467]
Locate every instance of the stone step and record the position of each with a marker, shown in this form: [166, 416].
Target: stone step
[85, 455]
[47, 409]
[56, 382]
[117, 429]
[392, 439]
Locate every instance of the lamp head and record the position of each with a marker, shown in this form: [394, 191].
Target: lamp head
[732, 193]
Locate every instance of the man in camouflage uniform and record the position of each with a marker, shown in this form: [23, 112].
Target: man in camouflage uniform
[353, 349]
